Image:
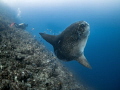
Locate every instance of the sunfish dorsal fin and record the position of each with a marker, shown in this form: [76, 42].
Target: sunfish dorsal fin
[82, 60]
[49, 38]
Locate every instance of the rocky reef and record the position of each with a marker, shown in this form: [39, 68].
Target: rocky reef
[25, 63]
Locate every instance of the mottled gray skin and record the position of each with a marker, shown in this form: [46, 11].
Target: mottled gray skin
[70, 44]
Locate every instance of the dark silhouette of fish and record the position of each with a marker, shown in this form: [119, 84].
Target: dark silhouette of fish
[70, 44]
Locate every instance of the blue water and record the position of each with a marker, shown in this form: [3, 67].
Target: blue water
[103, 46]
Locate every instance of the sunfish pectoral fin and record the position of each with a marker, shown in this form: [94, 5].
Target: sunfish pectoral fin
[49, 38]
[82, 60]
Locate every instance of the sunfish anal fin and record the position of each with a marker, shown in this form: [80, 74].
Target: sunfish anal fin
[82, 60]
[49, 38]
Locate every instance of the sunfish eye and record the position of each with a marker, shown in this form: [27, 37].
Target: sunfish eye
[82, 25]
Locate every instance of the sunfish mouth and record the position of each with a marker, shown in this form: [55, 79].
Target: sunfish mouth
[86, 23]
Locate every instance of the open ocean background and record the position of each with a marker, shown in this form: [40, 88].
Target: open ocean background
[103, 46]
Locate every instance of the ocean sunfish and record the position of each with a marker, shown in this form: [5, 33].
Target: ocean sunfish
[70, 44]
